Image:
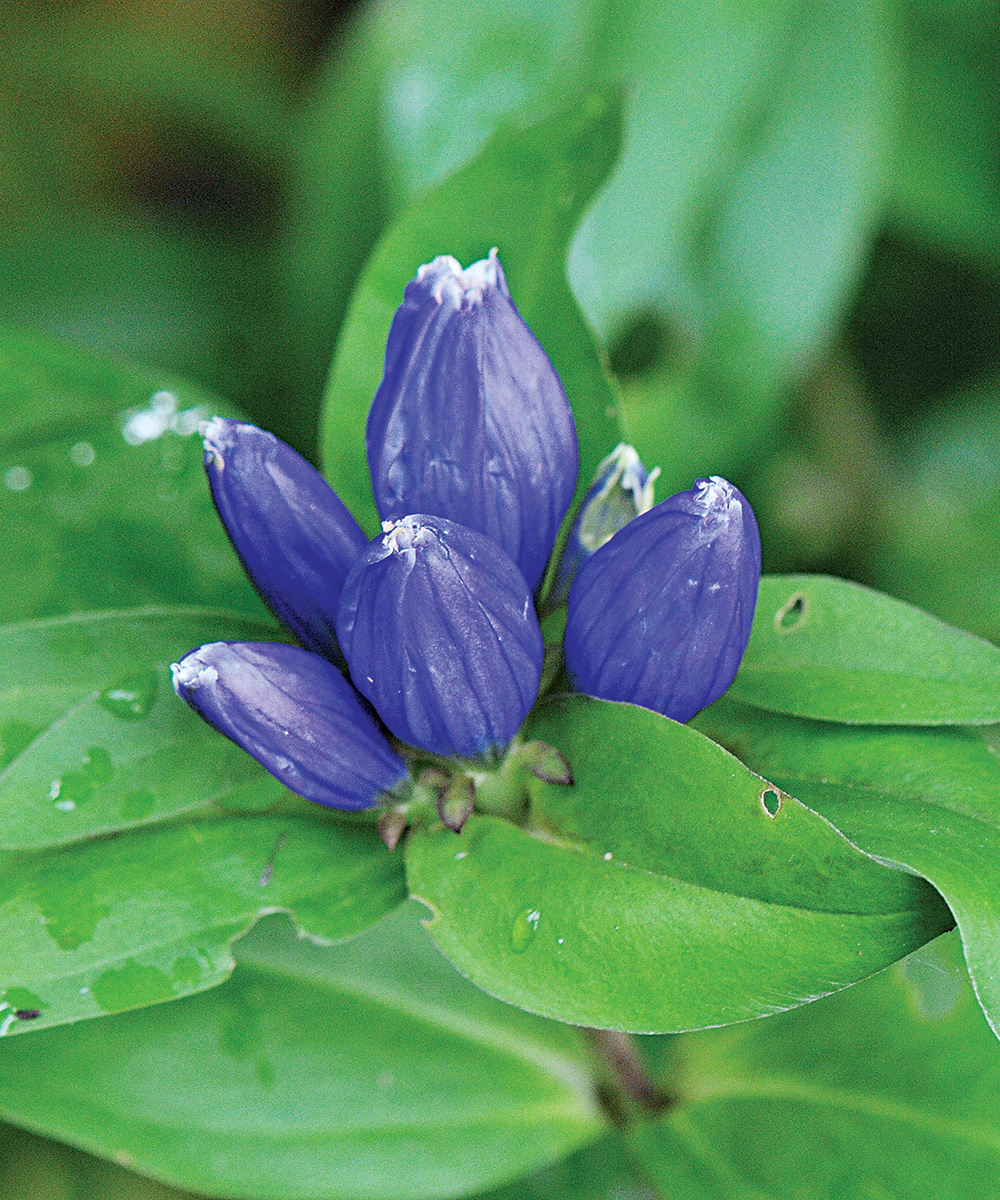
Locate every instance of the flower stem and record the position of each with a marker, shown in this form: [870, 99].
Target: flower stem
[629, 1090]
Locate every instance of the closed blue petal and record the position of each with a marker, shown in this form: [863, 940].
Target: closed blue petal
[470, 421]
[294, 536]
[298, 717]
[660, 616]
[440, 634]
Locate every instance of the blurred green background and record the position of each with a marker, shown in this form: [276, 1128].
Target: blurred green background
[794, 274]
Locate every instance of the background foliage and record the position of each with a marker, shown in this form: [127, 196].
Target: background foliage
[781, 225]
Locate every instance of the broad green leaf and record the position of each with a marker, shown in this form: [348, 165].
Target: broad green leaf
[836, 651]
[769, 127]
[669, 888]
[93, 739]
[119, 923]
[925, 799]
[335, 212]
[451, 76]
[805, 194]
[754, 164]
[524, 193]
[137, 841]
[366, 1071]
[103, 500]
[887, 1090]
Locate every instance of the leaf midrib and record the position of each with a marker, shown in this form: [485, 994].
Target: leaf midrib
[545, 835]
[517, 1046]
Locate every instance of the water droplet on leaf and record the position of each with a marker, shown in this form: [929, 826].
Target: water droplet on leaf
[522, 932]
[131, 698]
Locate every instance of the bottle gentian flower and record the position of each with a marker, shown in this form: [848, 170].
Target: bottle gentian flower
[438, 627]
[621, 491]
[294, 536]
[296, 714]
[470, 421]
[435, 619]
[660, 615]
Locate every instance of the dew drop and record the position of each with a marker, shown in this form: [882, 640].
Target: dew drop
[130, 698]
[17, 479]
[522, 932]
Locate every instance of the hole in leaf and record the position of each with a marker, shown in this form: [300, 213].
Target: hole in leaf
[770, 799]
[792, 612]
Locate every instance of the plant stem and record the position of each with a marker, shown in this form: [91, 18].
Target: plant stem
[633, 1086]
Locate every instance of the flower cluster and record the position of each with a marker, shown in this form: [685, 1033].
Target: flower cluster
[473, 457]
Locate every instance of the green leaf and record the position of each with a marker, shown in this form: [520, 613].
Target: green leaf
[887, 1090]
[926, 799]
[138, 841]
[364, 1071]
[836, 651]
[666, 860]
[103, 500]
[93, 739]
[524, 193]
[336, 209]
[752, 175]
[806, 187]
[777, 238]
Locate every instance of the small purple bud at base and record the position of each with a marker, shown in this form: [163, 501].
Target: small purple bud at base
[391, 827]
[545, 762]
[660, 616]
[456, 802]
[297, 715]
[439, 630]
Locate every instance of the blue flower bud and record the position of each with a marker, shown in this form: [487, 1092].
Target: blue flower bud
[660, 616]
[440, 634]
[298, 717]
[470, 421]
[622, 490]
[294, 536]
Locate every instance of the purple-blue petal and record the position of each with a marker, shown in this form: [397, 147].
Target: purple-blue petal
[298, 717]
[439, 630]
[293, 534]
[470, 421]
[660, 616]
